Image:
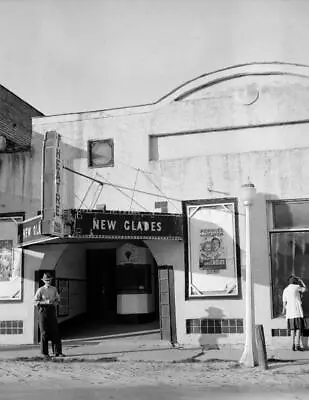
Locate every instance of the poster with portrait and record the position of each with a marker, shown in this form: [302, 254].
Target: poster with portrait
[10, 260]
[212, 251]
[211, 248]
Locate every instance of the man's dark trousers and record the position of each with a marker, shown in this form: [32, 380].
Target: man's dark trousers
[49, 329]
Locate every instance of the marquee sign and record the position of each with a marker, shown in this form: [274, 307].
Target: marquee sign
[30, 232]
[106, 225]
[123, 225]
[30, 229]
[52, 222]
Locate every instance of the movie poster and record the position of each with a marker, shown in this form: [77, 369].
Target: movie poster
[10, 261]
[212, 255]
[6, 260]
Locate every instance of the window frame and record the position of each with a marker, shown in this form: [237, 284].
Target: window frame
[272, 230]
[111, 163]
[271, 215]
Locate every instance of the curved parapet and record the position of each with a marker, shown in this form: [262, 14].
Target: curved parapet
[274, 68]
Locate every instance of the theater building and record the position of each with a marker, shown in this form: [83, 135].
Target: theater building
[141, 216]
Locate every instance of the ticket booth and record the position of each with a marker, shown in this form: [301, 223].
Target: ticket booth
[135, 283]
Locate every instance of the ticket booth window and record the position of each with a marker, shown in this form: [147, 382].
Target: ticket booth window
[134, 278]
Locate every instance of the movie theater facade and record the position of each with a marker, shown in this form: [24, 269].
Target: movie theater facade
[141, 217]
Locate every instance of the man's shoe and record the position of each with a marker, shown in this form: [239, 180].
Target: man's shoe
[46, 357]
[294, 347]
[298, 348]
[59, 355]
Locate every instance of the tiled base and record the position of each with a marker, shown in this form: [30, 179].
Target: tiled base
[214, 326]
[286, 332]
[280, 332]
[15, 327]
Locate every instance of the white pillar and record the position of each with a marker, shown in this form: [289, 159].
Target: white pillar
[249, 357]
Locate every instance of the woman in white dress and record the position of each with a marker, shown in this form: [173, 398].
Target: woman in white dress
[293, 310]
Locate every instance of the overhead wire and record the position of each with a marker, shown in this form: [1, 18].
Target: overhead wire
[144, 170]
[106, 182]
[159, 189]
[135, 168]
[99, 191]
[122, 192]
[146, 174]
[101, 183]
[134, 188]
[86, 194]
[79, 199]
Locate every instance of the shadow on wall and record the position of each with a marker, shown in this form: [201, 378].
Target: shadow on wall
[273, 271]
[213, 327]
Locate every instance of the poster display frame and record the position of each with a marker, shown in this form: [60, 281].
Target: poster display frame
[205, 266]
[16, 257]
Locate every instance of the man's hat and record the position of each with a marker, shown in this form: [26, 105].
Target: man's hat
[47, 277]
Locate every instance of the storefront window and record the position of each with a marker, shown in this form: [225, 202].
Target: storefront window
[289, 245]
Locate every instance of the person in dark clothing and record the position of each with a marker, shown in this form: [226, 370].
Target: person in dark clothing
[46, 299]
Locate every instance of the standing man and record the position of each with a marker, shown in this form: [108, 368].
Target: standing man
[293, 310]
[46, 299]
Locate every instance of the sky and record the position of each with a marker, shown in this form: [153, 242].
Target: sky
[66, 56]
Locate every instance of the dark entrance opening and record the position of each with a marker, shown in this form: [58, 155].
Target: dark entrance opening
[101, 285]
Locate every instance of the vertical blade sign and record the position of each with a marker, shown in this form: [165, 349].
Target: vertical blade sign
[52, 211]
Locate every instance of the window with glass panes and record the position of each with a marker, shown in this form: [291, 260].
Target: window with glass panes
[289, 248]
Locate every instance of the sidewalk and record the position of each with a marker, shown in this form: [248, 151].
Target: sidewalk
[144, 348]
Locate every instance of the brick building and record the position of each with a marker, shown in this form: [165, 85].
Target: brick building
[16, 201]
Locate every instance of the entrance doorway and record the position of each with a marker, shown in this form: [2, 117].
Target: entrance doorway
[101, 285]
[122, 293]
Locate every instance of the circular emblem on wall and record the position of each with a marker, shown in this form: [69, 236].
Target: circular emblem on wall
[102, 153]
[247, 94]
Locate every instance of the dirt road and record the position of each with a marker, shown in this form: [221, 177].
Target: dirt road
[107, 379]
